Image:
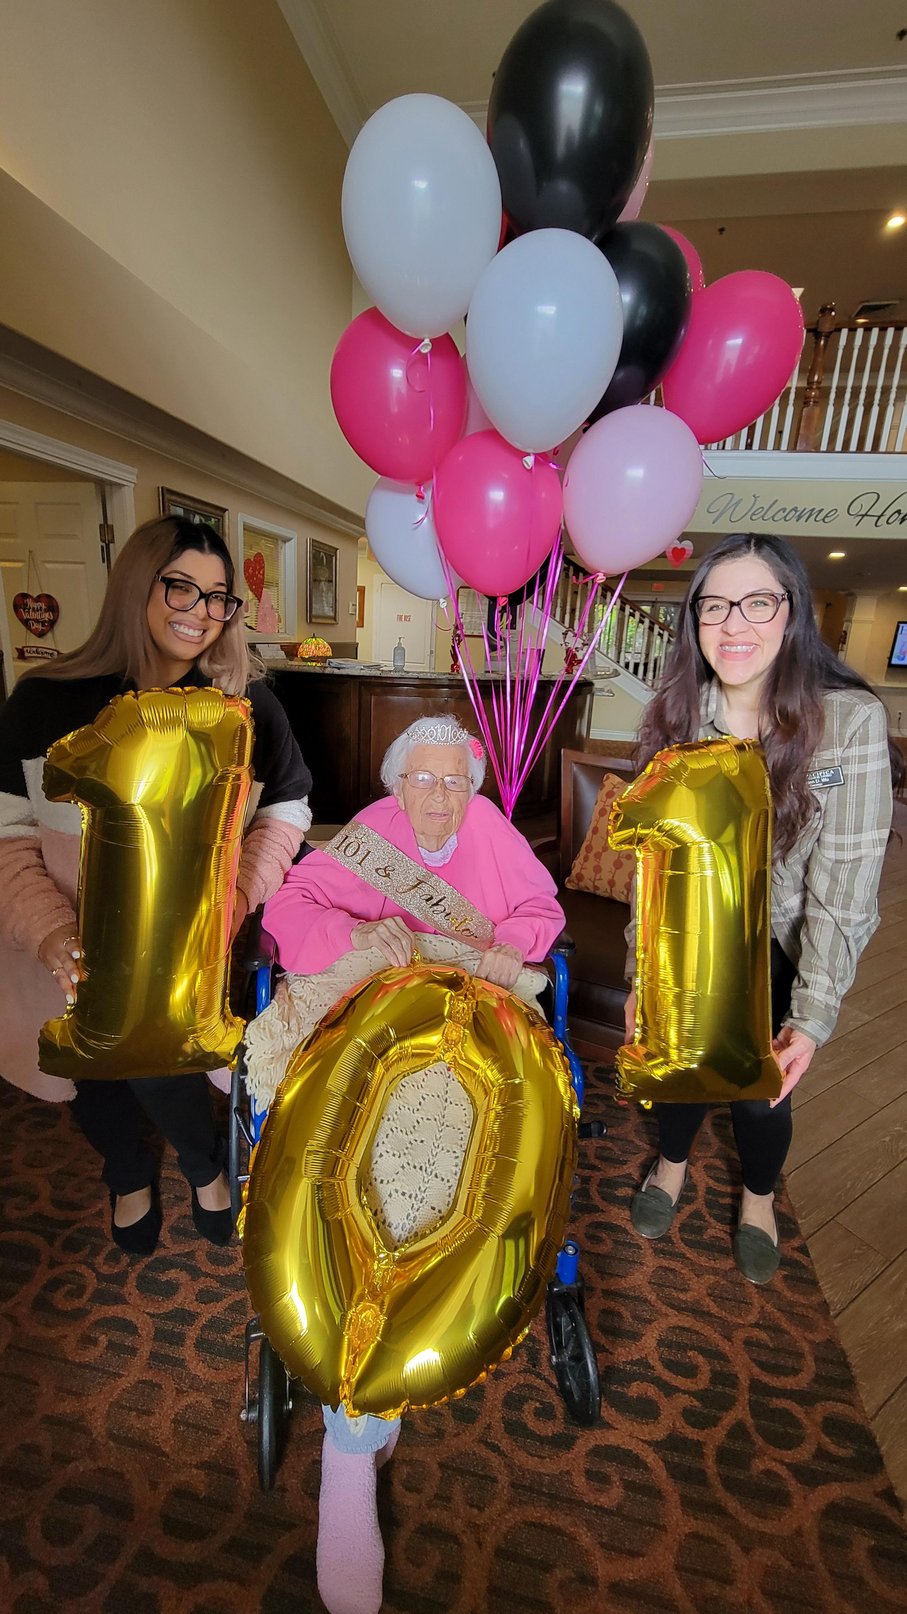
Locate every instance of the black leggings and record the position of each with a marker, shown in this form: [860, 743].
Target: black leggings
[762, 1134]
[114, 1116]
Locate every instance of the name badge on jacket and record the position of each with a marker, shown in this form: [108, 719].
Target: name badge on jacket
[821, 778]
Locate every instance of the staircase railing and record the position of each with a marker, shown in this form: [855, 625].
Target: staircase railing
[633, 640]
[848, 394]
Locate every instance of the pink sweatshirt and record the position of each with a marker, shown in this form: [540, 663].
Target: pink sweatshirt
[313, 914]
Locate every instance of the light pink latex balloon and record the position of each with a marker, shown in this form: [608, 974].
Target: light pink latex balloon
[632, 485]
[496, 518]
[399, 408]
[744, 337]
[637, 195]
[694, 262]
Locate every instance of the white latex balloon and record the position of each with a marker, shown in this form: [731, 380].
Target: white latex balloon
[421, 211]
[401, 532]
[544, 333]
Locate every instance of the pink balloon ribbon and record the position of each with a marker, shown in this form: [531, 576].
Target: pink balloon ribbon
[507, 730]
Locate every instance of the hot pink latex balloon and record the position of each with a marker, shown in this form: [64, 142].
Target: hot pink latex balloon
[399, 408]
[632, 485]
[744, 337]
[496, 517]
[694, 262]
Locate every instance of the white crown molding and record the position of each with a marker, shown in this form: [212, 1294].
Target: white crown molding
[810, 101]
[863, 96]
[753, 464]
[68, 456]
[319, 48]
[73, 391]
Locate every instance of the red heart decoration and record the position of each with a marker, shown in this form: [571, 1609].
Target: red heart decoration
[254, 572]
[37, 612]
[679, 552]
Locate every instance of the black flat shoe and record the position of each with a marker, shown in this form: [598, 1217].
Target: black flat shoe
[215, 1226]
[141, 1237]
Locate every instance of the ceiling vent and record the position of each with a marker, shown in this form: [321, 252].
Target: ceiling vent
[868, 312]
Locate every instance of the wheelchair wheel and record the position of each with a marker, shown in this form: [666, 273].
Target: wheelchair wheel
[573, 1357]
[273, 1413]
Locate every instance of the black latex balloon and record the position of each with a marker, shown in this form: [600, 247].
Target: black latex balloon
[570, 116]
[656, 294]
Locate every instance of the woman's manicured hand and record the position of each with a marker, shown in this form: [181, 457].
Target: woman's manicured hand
[794, 1051]
[501, 965]
[61, 953]
[391, 937]
[240, 910]
[630, 1015]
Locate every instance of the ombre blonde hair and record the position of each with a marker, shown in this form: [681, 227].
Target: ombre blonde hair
[121, 642]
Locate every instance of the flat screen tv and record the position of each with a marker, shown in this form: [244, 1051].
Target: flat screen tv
[898, 657]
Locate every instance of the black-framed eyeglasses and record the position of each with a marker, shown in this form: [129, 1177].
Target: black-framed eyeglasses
[761, 606]
[454, 782]
[181, 595]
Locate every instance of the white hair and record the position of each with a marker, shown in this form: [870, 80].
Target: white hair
[444, 730]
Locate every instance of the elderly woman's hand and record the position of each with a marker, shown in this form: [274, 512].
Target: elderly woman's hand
[500, 964]
[391, 937]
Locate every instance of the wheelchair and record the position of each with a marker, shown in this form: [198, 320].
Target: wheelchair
[267, 1392]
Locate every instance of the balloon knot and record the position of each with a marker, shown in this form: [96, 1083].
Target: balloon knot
[425, 346]
[529, 461]
[420, 492]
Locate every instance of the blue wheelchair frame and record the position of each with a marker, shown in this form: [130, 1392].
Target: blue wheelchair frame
[571, 1352]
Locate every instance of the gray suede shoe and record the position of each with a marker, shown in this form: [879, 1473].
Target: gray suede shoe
[757, 1256]
[652, 1210]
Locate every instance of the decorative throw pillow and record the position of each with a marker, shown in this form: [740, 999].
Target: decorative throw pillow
[596, 867]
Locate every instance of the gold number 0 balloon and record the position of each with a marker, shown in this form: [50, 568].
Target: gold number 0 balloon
[378, 1329]
[163, 778]
[699, 818]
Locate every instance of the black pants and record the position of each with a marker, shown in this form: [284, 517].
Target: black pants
[114, 1117]
[762, 1134]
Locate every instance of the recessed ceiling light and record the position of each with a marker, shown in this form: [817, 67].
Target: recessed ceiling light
[837, 554]
[902, 588]
[896, 221]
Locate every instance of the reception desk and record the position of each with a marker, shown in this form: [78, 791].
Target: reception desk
[345, 721]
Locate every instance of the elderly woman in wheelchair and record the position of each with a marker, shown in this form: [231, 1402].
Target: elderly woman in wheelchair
[436, 871]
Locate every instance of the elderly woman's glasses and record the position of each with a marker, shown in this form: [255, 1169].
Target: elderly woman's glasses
[181, 595]
[455, 782]
[763, 606]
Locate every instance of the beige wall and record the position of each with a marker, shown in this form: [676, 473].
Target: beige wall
[155, 470]
[170, 189]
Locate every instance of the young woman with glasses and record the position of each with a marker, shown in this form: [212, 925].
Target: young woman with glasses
[748, 661]
[170, 617]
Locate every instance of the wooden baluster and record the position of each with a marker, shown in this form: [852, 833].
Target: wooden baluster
[892, 396]
[812, 407]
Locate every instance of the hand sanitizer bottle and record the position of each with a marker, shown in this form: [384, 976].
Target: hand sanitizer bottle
[399, 656]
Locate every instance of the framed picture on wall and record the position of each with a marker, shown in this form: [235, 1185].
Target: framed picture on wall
[192, 509]
[321, 582]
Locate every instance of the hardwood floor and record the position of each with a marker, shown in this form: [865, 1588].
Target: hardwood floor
[847, 1169]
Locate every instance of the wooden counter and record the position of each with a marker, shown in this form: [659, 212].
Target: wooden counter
[345, 721]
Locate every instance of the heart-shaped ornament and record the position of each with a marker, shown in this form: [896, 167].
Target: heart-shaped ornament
[254, 572]
[37, 612]
[679, 552]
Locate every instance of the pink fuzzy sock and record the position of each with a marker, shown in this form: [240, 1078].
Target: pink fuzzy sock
[350, 1556]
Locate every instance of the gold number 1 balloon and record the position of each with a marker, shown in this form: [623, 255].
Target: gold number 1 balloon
[699, 818]
[163, 779]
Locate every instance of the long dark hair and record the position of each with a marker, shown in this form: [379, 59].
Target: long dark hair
[120, 641]
[791, 718]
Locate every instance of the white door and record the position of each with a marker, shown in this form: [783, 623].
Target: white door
[52, 573]
[403, 616]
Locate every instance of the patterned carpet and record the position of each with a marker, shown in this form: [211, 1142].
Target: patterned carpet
[733, 1470]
